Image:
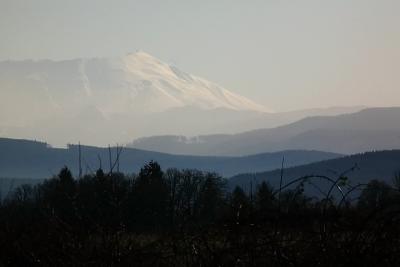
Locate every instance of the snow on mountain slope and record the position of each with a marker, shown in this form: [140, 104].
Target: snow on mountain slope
[137, 82]
[166, 86]
[106, 100]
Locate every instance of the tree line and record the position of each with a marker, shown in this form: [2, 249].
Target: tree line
[191, 218]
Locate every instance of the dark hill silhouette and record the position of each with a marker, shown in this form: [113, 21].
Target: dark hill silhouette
[379, 165]
[31, 159]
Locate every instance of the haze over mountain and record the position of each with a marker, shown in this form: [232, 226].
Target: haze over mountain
[369, 129]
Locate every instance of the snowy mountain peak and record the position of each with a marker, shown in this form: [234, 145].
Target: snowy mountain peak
[137, 82]
[130, 88]
[140, 56]
[176, 88]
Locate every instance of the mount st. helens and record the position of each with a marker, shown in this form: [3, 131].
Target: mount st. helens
[101, 100]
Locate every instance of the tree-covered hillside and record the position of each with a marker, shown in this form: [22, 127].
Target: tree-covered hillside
[381, 165]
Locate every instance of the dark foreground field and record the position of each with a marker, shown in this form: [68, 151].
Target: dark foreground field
[187, 218]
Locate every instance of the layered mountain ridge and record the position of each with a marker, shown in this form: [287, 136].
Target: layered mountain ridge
[367, 130]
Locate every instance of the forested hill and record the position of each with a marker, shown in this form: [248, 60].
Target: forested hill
[380, 165]
[31, 159]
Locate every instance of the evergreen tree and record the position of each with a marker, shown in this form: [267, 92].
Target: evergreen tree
[264, 200]
[150, 196]
[241, 206]
[211, 198]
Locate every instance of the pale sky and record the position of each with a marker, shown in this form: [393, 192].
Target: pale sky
[285, 54]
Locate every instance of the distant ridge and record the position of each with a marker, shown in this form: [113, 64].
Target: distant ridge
[29, 159]
[366, 130]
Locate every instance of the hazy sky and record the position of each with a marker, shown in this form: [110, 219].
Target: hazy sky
[286, 54]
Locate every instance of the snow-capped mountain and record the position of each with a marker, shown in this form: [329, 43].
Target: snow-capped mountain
[137, 82]
[102, 101]
[163, 86]
[43, 99]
